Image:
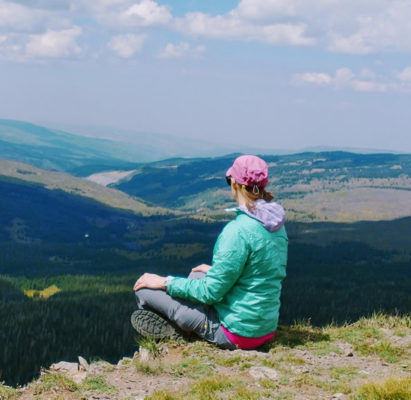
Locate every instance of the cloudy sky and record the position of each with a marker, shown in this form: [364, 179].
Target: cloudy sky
[275, 73]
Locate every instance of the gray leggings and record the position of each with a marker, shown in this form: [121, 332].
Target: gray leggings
[189, 316]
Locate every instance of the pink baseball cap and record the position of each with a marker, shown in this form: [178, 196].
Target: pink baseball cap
[249, 171]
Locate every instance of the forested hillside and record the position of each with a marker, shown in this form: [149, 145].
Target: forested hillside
[335, 186]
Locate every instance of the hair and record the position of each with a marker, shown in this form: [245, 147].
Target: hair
[250, 197]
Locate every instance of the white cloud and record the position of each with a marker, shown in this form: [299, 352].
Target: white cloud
[46, 4]
[128, 13]
[232, 26]
[127, 45]
[351, 26]
[147, 12]
[54, 43]
[180, 50]
[19, 18]
[405, 74]
[317, 78]
[367, 86]
[263, 10]
[343, 78]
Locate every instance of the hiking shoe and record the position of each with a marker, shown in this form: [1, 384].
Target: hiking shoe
[148, 323]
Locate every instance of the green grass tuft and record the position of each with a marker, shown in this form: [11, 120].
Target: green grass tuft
[152, 368]
[208, 387]
[390, 389]
[151, 345]
[191, 368]
[7, 392]
[97, 383]
[160, 395]
[54, 382]
[298, 334]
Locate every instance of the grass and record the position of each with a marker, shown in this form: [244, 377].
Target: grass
[191, 368]
[390, 389]
[241, 361]
[7, 392]
[98, 383]
[148, 368]
[154, 348]
[298, 334]
[212, 388]
[42, 294]
[368, 339]
[55, 382]
[58, 382]
[386, 351]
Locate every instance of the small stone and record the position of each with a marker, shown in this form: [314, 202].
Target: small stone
[300, 370]
[364, 372]
[338, 395]
[405, 366]
[349, 354]
[384, 364]
[263, 373]
[144, 355]
[83, 364]
[136, 355]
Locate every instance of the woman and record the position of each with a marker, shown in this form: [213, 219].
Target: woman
[235, 302]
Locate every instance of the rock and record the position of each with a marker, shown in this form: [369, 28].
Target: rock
[83, 364]
[300, 370]
[64, 366]
[349, 354]
[69, 369]
[144, 355]
[338, 395]
[263, 373]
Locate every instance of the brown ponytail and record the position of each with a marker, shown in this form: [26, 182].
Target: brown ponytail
[251, 197]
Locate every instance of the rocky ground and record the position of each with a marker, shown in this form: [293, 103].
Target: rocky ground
[366, 360]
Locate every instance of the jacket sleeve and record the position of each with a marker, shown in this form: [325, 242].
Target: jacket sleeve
[229, 258]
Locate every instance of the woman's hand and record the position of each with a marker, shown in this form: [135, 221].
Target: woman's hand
[150, 281]
[202, 268]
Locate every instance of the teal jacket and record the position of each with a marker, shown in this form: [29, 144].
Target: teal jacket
[249, 264]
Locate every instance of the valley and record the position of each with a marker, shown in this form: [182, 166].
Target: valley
[75, 237]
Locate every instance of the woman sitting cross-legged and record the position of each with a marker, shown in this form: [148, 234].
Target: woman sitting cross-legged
[236, 301]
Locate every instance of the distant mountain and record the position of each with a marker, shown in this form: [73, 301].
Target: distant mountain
[62, 151]
[94, 149]
[357, 150]
[12, 171]
[161, 146]
[328, 186]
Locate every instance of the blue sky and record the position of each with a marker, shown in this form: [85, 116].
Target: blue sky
[265, 73]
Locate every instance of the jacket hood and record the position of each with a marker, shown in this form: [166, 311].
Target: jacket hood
[270, 214]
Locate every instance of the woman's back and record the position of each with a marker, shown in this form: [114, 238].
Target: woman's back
[251, 306]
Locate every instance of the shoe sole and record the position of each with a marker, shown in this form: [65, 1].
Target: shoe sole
[149, 324]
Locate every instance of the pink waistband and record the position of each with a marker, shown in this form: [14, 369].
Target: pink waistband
[247, 343]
